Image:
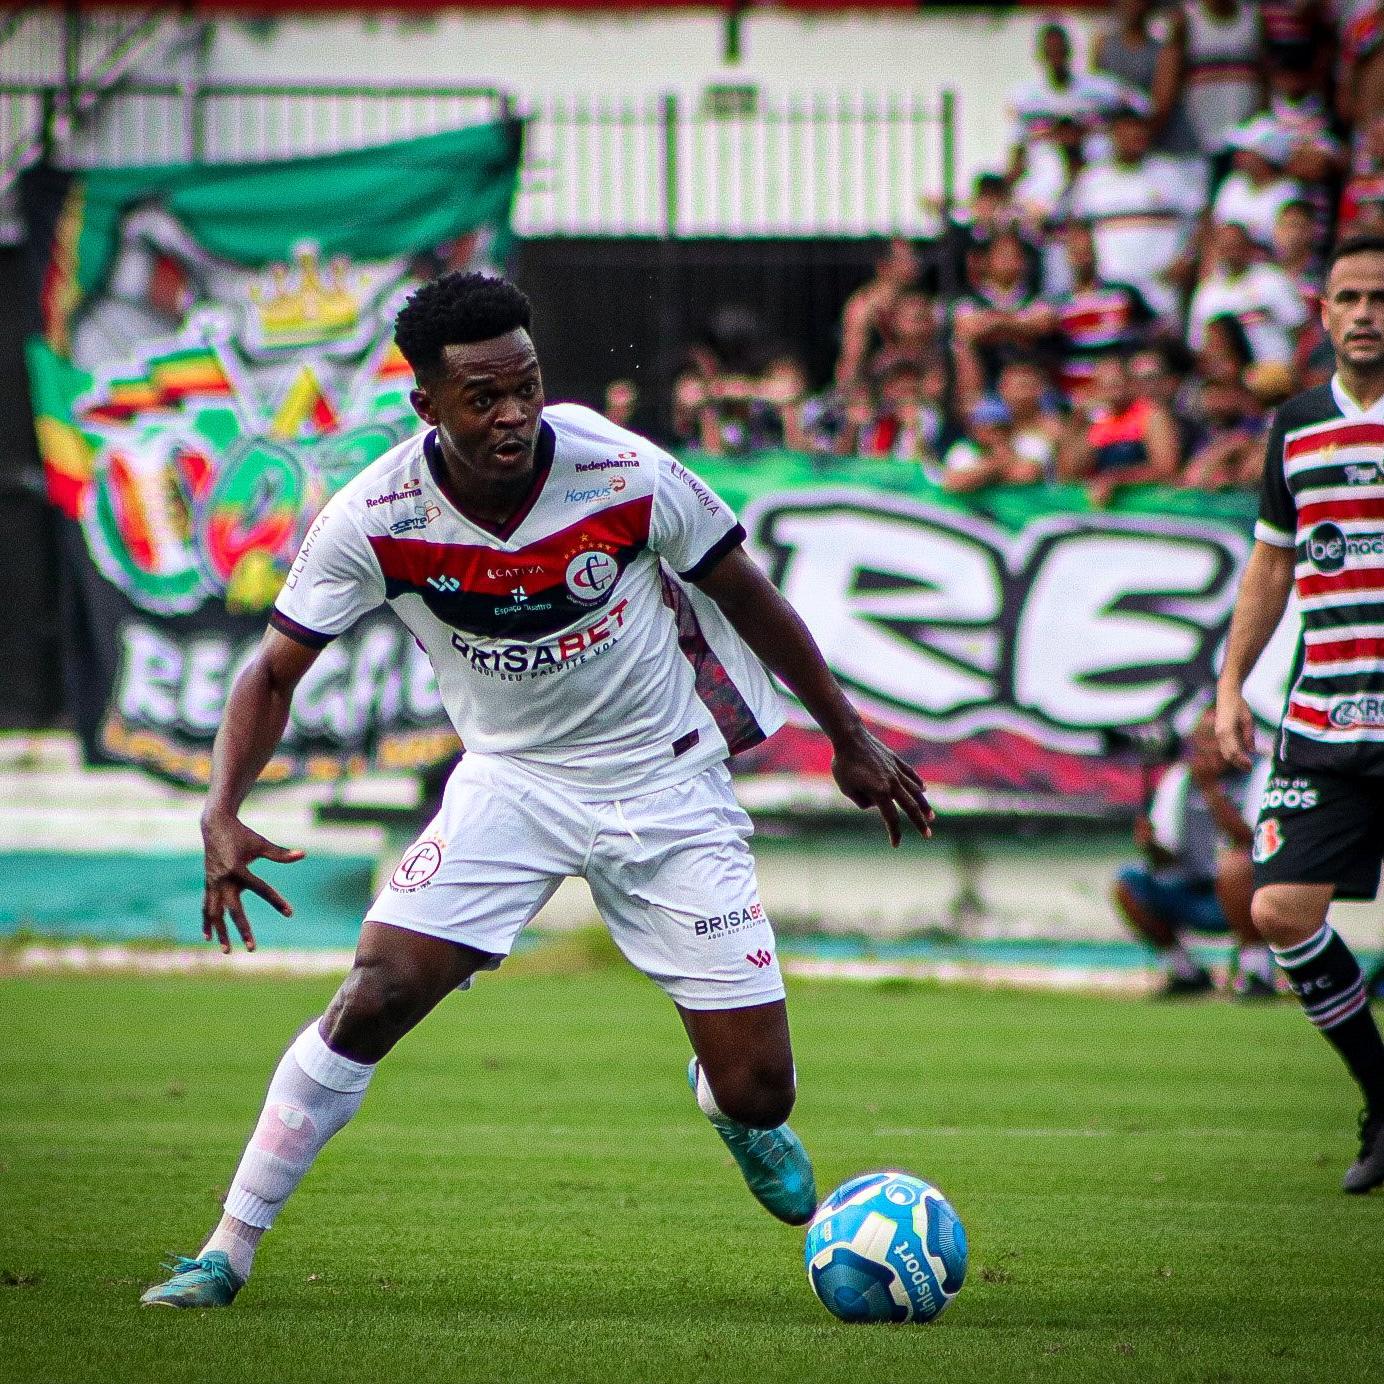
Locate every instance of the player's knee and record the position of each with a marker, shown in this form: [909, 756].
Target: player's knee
[1282, 918]
[376, 1005]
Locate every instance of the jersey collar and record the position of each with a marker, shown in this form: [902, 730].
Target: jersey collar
[1350, 409]
[543, 451]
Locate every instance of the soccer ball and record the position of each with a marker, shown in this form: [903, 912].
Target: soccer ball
[886, 1247]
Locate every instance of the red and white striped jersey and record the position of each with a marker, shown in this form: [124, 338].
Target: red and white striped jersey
[569, 639]
[1323, 495]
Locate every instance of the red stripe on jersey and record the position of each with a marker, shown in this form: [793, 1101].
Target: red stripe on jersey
[496, 571]
[1347, 579]
[1347, 435]
[1332, 650]
[1341, 509]
[1308, 715]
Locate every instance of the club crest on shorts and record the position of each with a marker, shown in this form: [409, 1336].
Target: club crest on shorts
[421, 862]
[1268, 840]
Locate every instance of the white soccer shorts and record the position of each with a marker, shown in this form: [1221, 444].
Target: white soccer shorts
[670, 872]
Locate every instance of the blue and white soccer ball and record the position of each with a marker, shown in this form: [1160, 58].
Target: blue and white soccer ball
[886, 1247]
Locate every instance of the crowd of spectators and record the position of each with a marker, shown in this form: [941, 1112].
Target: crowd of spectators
[1130, 297]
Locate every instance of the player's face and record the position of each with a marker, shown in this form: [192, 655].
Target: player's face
[1353, 310]
[485, 405]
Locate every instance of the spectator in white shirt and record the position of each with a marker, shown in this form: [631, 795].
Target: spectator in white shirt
[1261, 297]
[1258, 188]
[1142, 209]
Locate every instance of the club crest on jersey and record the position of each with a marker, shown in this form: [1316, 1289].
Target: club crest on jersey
[590, 575]
[1268, 840]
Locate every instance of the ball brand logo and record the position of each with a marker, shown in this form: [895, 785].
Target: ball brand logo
[1328, 549]
[591, 574]
[415, 871]
[900, 1193]
[917, 1275]
[1356, 713]
[760, 959]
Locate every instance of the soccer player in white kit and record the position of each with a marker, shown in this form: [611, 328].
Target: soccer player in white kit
[597, 631]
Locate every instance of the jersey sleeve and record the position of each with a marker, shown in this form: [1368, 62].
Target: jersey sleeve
[691, 528]
[334, 580]
[1277, 523]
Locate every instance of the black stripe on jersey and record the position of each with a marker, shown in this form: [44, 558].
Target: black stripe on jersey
[708, 560]
[1341, 684]
[300, 634]
[542, 613]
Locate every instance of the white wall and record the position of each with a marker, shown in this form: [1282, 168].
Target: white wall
[981, 55]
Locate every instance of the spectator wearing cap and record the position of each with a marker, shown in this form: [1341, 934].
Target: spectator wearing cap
[1094, 316]
[1260, 296]
[987, 455]
[1128, 438]
[1142, 209]
[1257, 188]
[998, 317]
[1215, 66]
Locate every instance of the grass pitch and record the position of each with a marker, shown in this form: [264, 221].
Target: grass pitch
[530, 1194]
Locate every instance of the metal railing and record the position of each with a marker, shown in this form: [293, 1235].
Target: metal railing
[729, 162]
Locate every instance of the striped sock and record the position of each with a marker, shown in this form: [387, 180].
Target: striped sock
[1325, 976]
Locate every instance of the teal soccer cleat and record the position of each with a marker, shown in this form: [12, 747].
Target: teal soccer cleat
[776, 1167]
[206, 1282]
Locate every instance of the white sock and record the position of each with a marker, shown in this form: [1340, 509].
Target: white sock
[314, 1092]
[1182, 963]
[1257, 961]
[707, 1101]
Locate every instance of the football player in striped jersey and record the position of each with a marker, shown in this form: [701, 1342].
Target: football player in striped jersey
[1320, 834]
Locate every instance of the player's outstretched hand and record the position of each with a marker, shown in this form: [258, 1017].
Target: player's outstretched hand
[872, 776]
[1234, 728]
[229, 847]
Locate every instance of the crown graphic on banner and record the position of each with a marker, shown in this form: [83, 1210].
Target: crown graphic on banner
[303, 304]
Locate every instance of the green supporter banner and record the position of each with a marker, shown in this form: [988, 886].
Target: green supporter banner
[1008, 643]
[214, 359]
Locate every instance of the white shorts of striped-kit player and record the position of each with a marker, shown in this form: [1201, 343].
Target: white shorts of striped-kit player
[670, 872]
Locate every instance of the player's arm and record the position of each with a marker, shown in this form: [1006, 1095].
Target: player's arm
[1263, 597]
[866, 772]
[254, 722]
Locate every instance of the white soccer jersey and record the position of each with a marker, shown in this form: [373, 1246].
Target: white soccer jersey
[567, 640]
[1141, 219]
[1264, 300]
[1254, 208]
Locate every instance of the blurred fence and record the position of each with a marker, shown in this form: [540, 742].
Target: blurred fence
[733, 161]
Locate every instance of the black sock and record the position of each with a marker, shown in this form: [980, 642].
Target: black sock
[1325, 976]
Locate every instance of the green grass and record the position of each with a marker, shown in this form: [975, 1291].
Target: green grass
[530, 1194]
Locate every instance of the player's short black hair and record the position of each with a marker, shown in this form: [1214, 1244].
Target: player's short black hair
[455, 309]
[1368, 244]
